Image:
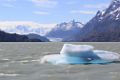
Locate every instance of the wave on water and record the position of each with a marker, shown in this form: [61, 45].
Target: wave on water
[1, 49]
[4, 60]
[28, 59]
[8, 75]
[20, 60]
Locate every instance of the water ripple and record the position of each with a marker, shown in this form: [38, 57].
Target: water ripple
[8, 75]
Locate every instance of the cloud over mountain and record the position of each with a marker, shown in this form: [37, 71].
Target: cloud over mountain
[25, 27]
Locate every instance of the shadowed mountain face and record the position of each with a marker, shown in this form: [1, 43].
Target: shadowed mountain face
[36, 36]
[7, 37]
[105, 26]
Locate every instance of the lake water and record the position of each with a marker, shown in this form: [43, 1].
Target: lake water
[21, 61]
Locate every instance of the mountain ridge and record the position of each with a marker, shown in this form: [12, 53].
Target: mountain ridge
[104, 24]
[66, 31]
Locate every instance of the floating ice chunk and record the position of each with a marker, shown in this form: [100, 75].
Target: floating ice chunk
[81, 54]
[75, 50]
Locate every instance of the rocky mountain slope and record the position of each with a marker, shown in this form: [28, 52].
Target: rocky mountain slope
[105, 26]
[66, 31]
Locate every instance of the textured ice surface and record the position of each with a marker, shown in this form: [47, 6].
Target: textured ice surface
[76, 50]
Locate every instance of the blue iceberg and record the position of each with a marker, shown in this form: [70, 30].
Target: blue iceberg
[81, 54]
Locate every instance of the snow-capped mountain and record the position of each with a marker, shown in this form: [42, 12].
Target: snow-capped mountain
[105, 26]
[21, 27]
[111, 13]
[24, 29]
[66, 31]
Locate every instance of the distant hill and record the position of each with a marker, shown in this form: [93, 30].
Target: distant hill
[36, 36]
[7, 37]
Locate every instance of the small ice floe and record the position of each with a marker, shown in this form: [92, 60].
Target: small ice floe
[81, 54]
[27, 59]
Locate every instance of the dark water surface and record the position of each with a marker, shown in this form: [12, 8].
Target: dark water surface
[21, 61]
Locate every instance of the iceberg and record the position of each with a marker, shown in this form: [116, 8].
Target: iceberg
[81, 54]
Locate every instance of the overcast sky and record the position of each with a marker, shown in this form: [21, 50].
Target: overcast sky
[50, 11]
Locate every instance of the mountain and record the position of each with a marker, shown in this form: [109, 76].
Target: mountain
[105, 26]
[36, 36]
[25, 27]
[8, 37]
[66, 31]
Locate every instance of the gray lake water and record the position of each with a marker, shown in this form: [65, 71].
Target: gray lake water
[21, 61]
